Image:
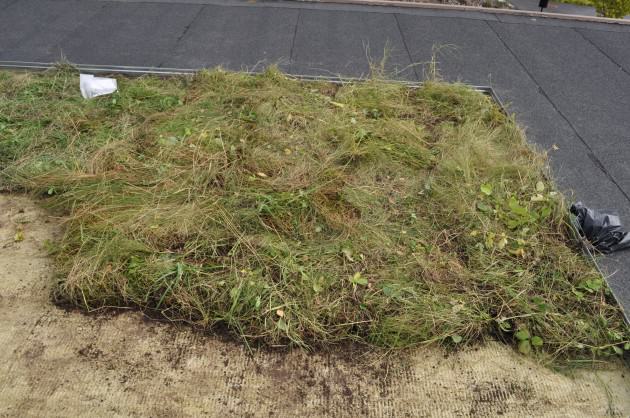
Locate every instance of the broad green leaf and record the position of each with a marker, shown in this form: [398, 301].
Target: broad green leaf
[389, 291]
[540, 187]
[524, 347]
[522, 335]
[513, 223]
[169, 141]
[486, 189]
[591, 285]
[483, 207]
[505, 325]
[358, 279]
[618, 350]
[579, 295]
[490, 240]
[519, 252]
[537, 341]
[545, 212]
[456, 338]
[502, 242]
[594, 284]
[516, 207]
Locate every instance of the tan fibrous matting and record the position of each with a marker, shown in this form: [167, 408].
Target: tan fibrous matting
[55, 362]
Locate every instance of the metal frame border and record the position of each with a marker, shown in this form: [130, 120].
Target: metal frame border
[137, 71]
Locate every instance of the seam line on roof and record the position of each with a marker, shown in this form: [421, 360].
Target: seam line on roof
[587, 39]
[295, 30]
[185, 31]
[591, 154]
[402, 36]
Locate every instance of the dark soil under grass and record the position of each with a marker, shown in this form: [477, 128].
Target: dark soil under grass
[306, 213]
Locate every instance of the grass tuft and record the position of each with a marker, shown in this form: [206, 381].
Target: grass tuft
[306, 213]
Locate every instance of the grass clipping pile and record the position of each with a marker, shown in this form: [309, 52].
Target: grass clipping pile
[306, 213]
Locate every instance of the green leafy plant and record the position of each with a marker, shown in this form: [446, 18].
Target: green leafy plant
[612, 8]
[306, 213]
[527, 342]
